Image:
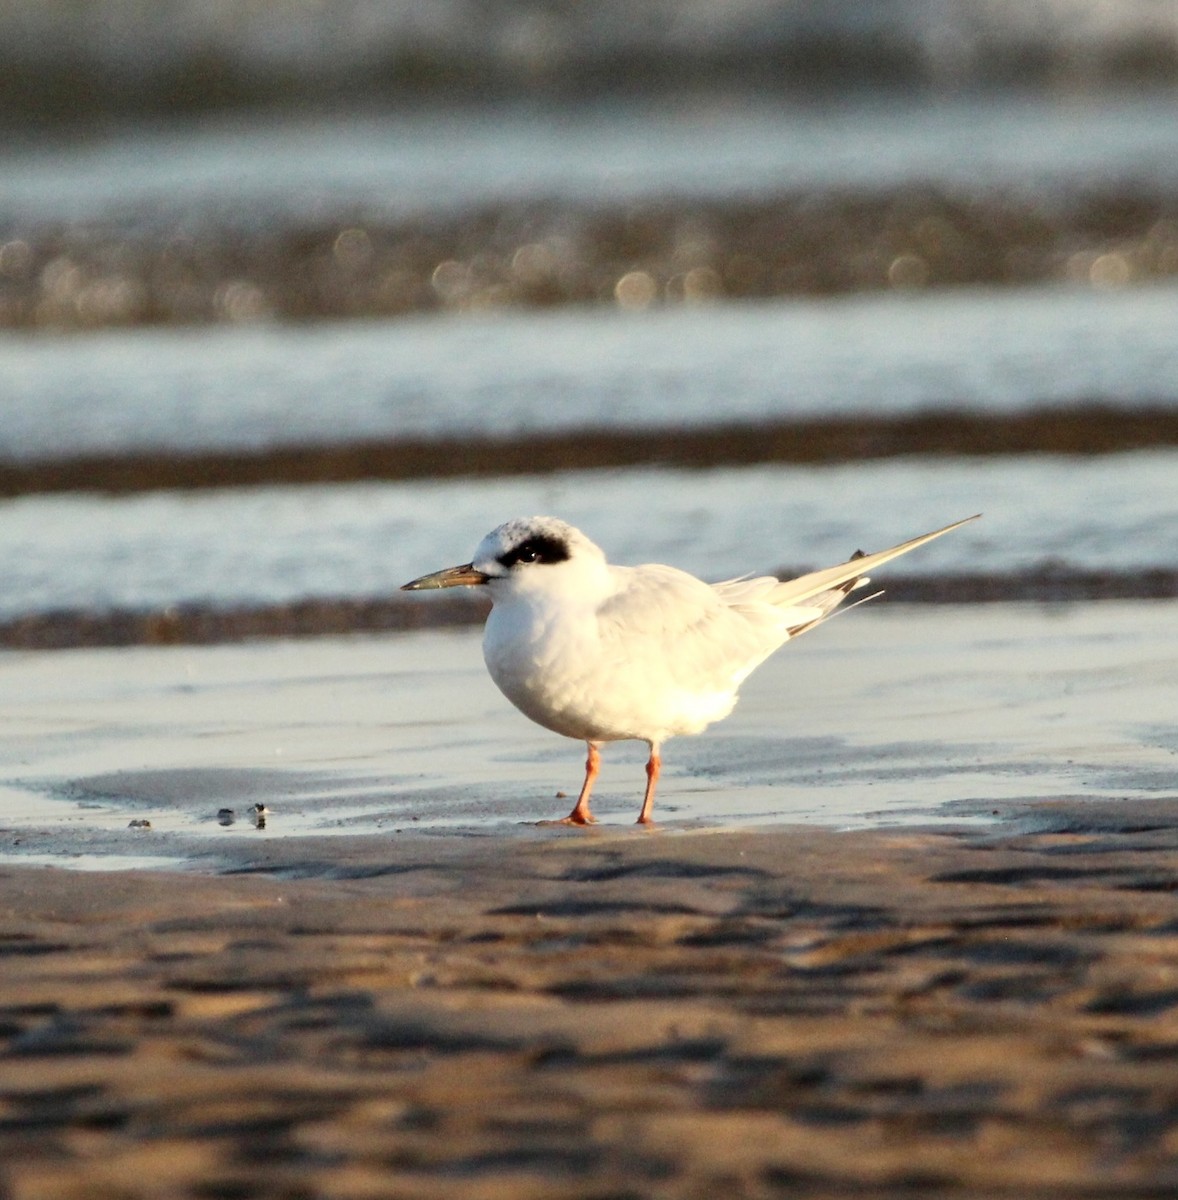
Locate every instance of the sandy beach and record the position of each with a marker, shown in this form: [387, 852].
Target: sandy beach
[296, 302]
[789, 1013]
[906, 926]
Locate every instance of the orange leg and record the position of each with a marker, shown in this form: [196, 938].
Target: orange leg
[581, 814]
[653, 766]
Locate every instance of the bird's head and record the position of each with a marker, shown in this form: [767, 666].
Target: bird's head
[526, 556]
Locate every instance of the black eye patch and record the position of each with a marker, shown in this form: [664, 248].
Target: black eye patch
[542, 548]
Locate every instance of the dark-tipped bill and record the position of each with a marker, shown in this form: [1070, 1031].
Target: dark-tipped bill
[463, 576]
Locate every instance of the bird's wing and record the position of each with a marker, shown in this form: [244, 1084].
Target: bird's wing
[797, 591]
[697, 637]
[711, 636]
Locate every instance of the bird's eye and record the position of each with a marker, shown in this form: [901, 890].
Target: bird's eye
[539, 549]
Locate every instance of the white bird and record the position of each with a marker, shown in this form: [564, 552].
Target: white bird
[604, 653]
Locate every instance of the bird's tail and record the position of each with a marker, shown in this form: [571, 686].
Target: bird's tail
[826, 603]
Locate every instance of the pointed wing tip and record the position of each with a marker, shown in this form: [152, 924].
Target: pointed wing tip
[955, 525]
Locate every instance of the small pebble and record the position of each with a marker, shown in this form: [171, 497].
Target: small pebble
[139, 823]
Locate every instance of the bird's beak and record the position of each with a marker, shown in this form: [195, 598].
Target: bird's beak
[463, 576]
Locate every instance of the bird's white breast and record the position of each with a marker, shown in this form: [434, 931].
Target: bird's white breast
[543, 662]
[568, 666]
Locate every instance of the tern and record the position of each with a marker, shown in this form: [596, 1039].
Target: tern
[606, 653]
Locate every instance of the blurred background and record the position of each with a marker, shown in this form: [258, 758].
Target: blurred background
[298, 299]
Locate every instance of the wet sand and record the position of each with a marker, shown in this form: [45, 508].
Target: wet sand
[981, 1001]
[892, 712]
[1086, 429]
[790, 1013]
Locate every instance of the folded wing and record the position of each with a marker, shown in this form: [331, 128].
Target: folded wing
[806, 587]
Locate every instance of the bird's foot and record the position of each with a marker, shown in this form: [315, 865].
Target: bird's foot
[576, 818]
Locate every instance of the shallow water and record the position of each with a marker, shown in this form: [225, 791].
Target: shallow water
[516, 376]
[1115, 513]
[884, 716]
[258, 167]
[990, 351]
